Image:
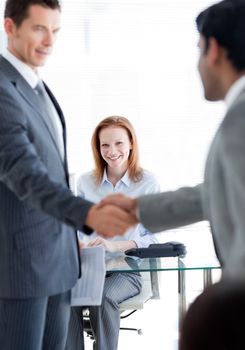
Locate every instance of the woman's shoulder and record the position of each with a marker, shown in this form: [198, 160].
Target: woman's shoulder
[148, 176]
[86, 178]
[148, 183]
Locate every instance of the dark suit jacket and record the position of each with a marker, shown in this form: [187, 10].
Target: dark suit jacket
[38, 215]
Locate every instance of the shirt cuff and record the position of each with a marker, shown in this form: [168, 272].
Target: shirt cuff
[137, 212]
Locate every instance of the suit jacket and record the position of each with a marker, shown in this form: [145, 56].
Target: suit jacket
[38, 216]
[220, 199]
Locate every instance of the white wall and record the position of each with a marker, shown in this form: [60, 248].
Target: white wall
[135, 58]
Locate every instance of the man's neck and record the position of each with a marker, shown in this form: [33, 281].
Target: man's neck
[234, 90]
[27, 73]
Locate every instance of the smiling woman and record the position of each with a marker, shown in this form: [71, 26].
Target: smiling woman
[117, 169]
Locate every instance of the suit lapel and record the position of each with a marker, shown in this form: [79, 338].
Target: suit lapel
[31, 98]
[29, 95]
[62, 119]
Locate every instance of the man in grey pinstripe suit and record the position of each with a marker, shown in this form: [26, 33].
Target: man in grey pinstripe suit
[39, 259]
[220, 199]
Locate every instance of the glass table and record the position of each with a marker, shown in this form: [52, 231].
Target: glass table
[122, 263]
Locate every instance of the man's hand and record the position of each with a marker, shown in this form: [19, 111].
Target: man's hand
[108, 220]
[119, 199]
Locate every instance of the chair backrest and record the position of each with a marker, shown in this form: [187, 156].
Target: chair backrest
[150, 290]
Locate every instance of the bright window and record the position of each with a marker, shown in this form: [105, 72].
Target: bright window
[135, 58]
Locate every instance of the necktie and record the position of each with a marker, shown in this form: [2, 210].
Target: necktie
[50, 117]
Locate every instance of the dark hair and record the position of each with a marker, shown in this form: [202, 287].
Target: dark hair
[134, 170]
[225, 21]
[213, 320]
[18, 10]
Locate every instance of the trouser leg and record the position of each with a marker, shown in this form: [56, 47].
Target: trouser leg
[105, 319]
[75, 339]
[22, 323]
[57, 321]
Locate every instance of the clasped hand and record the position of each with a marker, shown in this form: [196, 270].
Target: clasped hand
[113, 216]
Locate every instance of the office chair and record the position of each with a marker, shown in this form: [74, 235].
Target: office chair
[150, 290]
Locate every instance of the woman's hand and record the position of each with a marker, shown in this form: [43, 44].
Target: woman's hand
[82, 244]
[112, 246]
[108, 245]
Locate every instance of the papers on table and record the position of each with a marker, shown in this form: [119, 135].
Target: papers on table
[89, 288]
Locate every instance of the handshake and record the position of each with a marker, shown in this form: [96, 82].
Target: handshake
[113, 216]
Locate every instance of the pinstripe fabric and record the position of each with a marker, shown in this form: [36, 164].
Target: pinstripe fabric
[57, 321]
[37, 207]
[34, 324]
[105, 319]
[39, 254]
[75, 338]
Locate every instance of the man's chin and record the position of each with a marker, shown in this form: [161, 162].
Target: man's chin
[212, 97]
[39, 63]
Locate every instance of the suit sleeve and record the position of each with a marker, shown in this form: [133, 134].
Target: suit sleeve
[144, 237]
[24, 174]
[167, 210]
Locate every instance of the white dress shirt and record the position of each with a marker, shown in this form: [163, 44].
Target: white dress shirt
[89, 189]
[27, 72]
[234, 91]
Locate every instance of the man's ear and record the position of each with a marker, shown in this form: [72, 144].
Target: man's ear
[214, 51]
[9, 26]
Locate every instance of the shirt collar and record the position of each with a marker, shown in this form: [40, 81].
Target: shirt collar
[234, 91]
[125, 179]
[27, 73]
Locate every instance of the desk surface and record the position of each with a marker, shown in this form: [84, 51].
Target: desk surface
[204, 260]
[123, 263]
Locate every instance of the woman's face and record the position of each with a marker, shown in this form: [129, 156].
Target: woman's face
[115, 147]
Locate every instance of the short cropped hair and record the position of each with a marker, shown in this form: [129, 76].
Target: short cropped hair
[134, 169]
[18, 10]
[225, 21]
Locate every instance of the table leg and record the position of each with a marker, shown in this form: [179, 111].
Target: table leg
[207, 281]
[207, 278]
[181, 295]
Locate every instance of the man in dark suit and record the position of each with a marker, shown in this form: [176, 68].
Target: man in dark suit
[220, 199]
[39, 256]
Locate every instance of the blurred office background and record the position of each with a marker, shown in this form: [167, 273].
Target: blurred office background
[137, 58]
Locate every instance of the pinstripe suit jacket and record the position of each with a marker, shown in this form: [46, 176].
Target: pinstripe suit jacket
[220, 199]
[39, 214]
